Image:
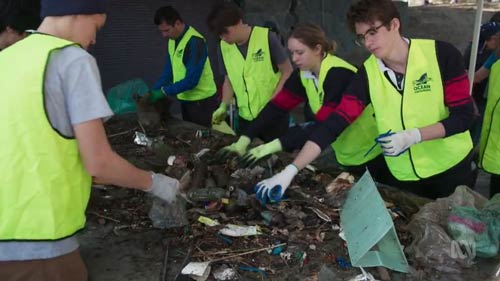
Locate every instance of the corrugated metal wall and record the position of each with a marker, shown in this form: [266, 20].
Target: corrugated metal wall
[130, 46]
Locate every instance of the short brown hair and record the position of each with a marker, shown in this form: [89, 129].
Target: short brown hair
[223, 16]
[311, 35]
[369, 11]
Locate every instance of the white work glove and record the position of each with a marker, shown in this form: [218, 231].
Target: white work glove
[165, 188]
[396, 143]
[272, 189]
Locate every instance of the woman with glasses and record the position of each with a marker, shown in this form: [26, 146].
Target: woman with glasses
[420, 95]
[320, 80]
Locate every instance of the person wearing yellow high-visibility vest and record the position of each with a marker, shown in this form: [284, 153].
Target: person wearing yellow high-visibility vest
[320, 80]
[54, 144]
[187, 74]
[255, 67]
[489, 146]
[16, 17]
[420, 96]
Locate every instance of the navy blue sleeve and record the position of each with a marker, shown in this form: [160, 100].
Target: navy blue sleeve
[194, 58]
[352, 104]
[166, 75]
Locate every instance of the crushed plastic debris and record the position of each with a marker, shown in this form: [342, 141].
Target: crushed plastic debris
[225, 273]
[197, 270]
[240, 231]
[208, 221]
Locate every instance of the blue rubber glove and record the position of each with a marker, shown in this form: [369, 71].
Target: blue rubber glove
[272, 189]
[395, 144]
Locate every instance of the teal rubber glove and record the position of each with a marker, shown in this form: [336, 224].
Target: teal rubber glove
[155, 95]
[219, 115]
[257, 153]
[272, 189]
[239, 147]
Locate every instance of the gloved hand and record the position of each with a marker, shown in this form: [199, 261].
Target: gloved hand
[272, 189]
[219, 115]
[394, 144]
[239, 147]
[257, 153]
[165, 188]
[155, 95]
[149, 98]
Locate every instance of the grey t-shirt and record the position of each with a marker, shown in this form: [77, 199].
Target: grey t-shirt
[278, 53]
[73, 95]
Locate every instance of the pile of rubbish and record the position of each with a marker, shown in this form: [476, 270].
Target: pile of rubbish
[226, 234]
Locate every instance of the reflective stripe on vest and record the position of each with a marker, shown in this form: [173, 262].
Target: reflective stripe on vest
[253, 79]
[206, 85]
[489, 149]
[421, 104]
[44, 188]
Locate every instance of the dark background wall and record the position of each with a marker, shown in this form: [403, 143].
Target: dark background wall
[130, 46]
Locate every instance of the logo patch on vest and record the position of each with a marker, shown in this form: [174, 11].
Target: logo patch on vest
[258, 56]
[179, 53]
[422, 84]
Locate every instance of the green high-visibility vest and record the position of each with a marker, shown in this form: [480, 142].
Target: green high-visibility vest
[44, 188]
[356, 139]
[206, 85]
[253, 79]
[421, 104]
[489, 148]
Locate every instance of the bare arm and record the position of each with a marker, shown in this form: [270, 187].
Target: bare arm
[309, 152]
[227, 91]
[102, 163]
[434, 131]
[286, 70]
[481, 74]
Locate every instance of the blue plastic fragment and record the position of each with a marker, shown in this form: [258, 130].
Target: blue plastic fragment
[253, 269]
[343, 263]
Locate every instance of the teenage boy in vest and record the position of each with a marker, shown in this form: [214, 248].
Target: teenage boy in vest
[255, 67]
[17, 16]
[489, 149]
[54, 144]
[420, 95]
[187, 74]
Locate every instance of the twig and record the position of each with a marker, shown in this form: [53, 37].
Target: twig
[103, 216]
[142, 127]
[222, 252]
[184, 262]
[183, 141]
[122, 133]
[164, 272]
[249, 252]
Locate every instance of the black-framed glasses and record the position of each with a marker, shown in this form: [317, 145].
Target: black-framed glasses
[361, 38]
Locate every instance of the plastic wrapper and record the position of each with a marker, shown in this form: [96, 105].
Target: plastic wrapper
[165, 215]
[121, 97]
[477, 228]
[432, 246]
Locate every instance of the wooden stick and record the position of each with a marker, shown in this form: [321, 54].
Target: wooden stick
[103, 216]
[249, 252]
[164, 271]
[122, 133]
